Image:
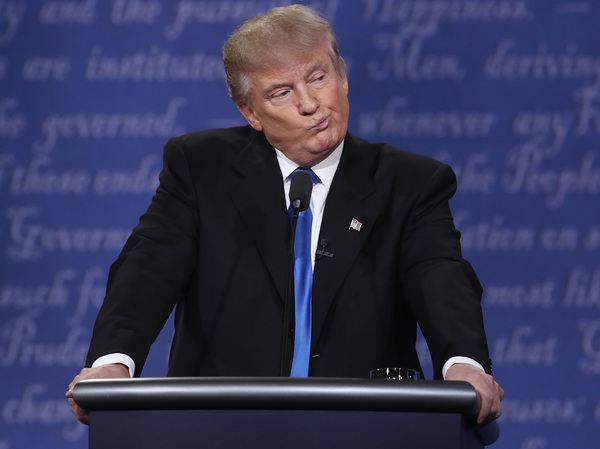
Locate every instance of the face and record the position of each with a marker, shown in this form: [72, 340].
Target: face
[301, 105]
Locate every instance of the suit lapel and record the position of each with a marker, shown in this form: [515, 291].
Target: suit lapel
[260, 202]
[346, 200]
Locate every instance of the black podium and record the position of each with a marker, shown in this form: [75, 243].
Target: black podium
[265, 413]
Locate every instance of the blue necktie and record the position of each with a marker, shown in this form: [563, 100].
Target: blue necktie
[303, 290]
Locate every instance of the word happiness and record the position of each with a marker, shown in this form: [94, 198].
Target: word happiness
[432, 12]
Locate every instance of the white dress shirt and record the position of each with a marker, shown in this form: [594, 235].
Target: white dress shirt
[325, 170]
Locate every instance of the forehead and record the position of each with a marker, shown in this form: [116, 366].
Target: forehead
[288, 65]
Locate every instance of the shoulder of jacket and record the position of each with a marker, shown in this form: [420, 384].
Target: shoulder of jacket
[392, 157]
[214, 138]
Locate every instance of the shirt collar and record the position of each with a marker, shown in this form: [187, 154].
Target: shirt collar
[325, 169]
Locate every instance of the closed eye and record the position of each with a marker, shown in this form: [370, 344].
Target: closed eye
[318, 78]
[280, 93]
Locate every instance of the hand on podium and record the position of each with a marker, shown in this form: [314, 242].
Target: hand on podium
[489, 393]
[110, 371]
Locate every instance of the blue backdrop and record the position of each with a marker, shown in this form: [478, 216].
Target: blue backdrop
[506, 91]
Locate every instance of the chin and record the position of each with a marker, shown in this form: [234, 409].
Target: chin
[326, 146]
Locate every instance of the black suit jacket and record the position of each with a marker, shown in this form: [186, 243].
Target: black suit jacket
[214, 244]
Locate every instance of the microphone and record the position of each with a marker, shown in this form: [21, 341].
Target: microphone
[300, 190]
[321, 252]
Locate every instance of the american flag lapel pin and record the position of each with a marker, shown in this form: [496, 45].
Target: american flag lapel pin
[355, 224]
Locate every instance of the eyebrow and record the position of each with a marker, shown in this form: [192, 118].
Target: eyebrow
[317, 65]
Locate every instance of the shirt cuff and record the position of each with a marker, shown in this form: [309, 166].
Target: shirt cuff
[459, 359]
[117, 357]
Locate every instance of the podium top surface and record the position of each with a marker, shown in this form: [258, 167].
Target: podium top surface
[275, 393]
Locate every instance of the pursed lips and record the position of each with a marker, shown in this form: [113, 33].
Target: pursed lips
[321, 123]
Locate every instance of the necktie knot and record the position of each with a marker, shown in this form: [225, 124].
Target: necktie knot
[312, 174]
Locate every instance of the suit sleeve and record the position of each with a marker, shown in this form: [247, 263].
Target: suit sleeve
[153, 269]
[441, 287]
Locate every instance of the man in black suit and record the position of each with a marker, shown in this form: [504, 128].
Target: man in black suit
[214, 241]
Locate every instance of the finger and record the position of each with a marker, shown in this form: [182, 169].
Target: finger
[79, 413]
[73, 382]
[485, 409]
[483, 417]
[491, 408]
[69, 392]
[496, 404]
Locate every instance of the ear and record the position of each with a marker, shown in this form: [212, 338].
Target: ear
[248, 112]
[345, 83]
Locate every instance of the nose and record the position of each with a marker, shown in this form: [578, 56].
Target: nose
[307, 101]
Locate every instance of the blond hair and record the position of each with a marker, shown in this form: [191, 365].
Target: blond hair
[258, 41]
